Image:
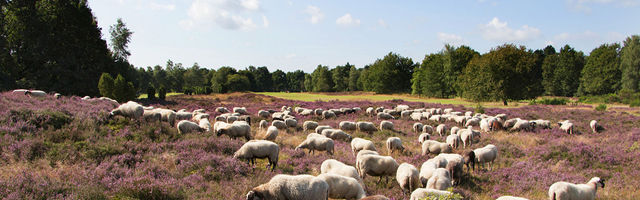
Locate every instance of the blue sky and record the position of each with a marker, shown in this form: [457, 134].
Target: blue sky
[301, 34]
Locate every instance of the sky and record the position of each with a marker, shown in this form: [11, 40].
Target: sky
[302, 34]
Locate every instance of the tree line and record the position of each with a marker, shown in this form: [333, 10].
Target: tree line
[57, 46]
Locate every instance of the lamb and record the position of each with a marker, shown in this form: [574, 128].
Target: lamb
[186, 126]
[279, 124]
[566, 126]
[327, 114]
[440, 180]
[319, 129]
[429, 166]
[291, 122]
[424, 193]
[235, 130]
[263, 124]
[427, 129]
[151, 116]
[130, 109]
[36, 93]
[393, 144]
[205, 124]
[441, 129]
[595, 127]
[386, 125]
[486, 154]
[309, 125]
[423, 137]
[376, 165]
[417, 127]
[343, 187]
[271, 133]
[336, 167]
[336, 134]
[454, 140]
[358, 144]
[407, 177]
[384, 116]
[222, 110]
[259, 149]
[317, 143]
[367, 127]
[347, 126]
[435, 147]
[511, 198]
[569, 191]
[291, 187]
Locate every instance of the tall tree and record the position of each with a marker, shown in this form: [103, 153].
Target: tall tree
[263, 77]
[428, 79]
[237, 83]
[601, 73]
[321, 79]
[120, 38]
[279, 79]
[295, 81]
[308, 83]
[455, 60]
[354, 75]
[630, 64]
[219, 81]
[392, 74]
[561, 72]
[340, 76]
[194, 79]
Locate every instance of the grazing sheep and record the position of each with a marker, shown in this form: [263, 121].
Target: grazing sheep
[595, 127]
[542, 124]
[402, 107]
[24, 91]
[130, 109]
[435, 118]
[222, 110]
[566, 126]
[511, 198]
[183, 115]
[319, 129]
[441, 129]
[231, 119]
[314, 135]
[205, 124]
[347, 126]
[440, 180]
[167, 115]
[309, 125]
[336, 167]
[263, 124]
[416, 116]
[365, 152]
[454, 140]
[376, 165]
[423, 137]
[336, 134]
[370, 111]
[279, 124]
[427, 129]
[186, 126]
[317, 143]
[151, 116]
[291, 187]
[278, 116]
[455, 165]
[379, 109]
[343, 187]
[417, 127]
[435, 147]
[386, 125]
[375, 197]
[454, 130]
[306, 112]
[569, 191]
[358, 144]
[198, 116]
[508, 124]
[57, 95]
[428, 167]
[36, 93]
[327, 114]
[469, 158]
[259, 149]
[271, 133]
[318, 111]
[291, 122]
[407, 177]
[384, 116]
[486, 154]
[393, 144]
[235, 130]
[473, 122]
[405, 114]
[424, 193]
[241, 110]
[263, 113]
[523, 125]
[366, 127]
[468, 136]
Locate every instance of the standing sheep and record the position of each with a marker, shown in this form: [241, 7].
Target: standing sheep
[151, 116]
[343, 187]
[336, 134]
[486, 154]
[309, 125]
[595, 127]
[435, 147]
[235, 130]
[407, 177]
[259, 149]
[263, 113]
[424, 193]
[454, 130]
[291, 187]
[263, 124]
[36, 93]
[271, 133]
[393, 144]
[183, 115]
[319, 129]
[569, 191]
[358, 144]
[347, 126]
[455, 165]
[384, 116]
[441, 129]
[317, 143]
[566, 126]
[440, 180]
[429, 166]
[186, 126]
[327, 114]
[130, 109]
[417, 127]
[336, 167]
[279, 124]
[291, 122]
[454, 140]
[376, 165]
[366, 127]
[427, 129]
[205, 124]
[423, 137]
[386, 125]
[241, 110]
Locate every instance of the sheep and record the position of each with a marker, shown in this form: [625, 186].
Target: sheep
[317, 143]
[151, 116]
[279, 124]
[336, 167]
[423, 137]
[291, 122]
[309, 125]
[231, 119]
[366, 127]
[468, 136]
[205, 124]
[271, 133]
[183, 115]
[306, 112]
[462, 120]
[259, 149]
[376, 165]
[343, 187]
[57, 95]
[370, 111]
[291, 187]
[468, 113]
[186, 126]
[263, 124]
[318, 111]
[424, 193]
[454, 140]
[486, 125]
[167, 115]
[314, 135]
[36, 93]
[241, 110]
[417, 127]
[407, 177]
[327, 114]
[319, 129]
[595, 127]
[401, 107]
[523, 125]
[222, 110]
[22, 91]
[435, 118]
[336, 134]
[393, 144]
[510, 123]
[347, 126]
[511, 198]
[379, 109]
[416, 116]
[473, 122]
[278, 116]
[569, 191]
[427, 129]
[486, 154]
[263, 113]
[386, 125]
[435, 147]
[198, 116]
[358, 144]
[440, 180]
[441, 129]
[429, 166]
[454, 130]
[391, 111]
[235, 130]
[469, 158]
[285, 108]
[455, 165]
[375, 197]
[566, 126]
[130, 109]
[384, 116]
[405, 114]
[543, 124]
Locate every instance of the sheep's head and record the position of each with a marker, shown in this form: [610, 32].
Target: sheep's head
[597, 181]
[252, 195]
[469, 158]
[220, 131]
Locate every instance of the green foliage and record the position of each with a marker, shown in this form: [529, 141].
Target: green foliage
[151, 93]
[123, 91]
[120, 38]
[321, 79]
[561, 72]
[392, 74]
[194, 77]
[106, 85]
[601, 73]
[237, 83]
[479, 109]
[455, 60]
[162, 93]
[340, 77]
[263, 79]
[428, 79]
[601, 107]
[354, 76]
[295, 81]
[308, 83]
[219, 80]
[549, 101]
[279, 79]
[630, 63]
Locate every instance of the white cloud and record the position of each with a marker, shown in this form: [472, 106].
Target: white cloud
[585, 5]
[499, 31]
[228, 14]
[158, 6]
[452, 39]
[265, 21]
[347, 20]
[316, 14]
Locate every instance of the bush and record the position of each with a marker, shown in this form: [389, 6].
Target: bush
[105, 85]
[635, 103]
[552, 101]
[601, 107]
[151, 93]
[123, 91]
[479, 109]
[162, 93]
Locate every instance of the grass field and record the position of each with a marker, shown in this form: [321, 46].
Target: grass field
[144, 96]
[365, 96]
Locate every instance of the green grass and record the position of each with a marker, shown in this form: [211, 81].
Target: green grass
[144, 95]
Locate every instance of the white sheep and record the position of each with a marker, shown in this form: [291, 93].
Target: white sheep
[263, 124]
[376, 165]
[393, 144]
[327, 114]
[407, 177]
[375, 197]
[222, 110]
[183, 115]
[429, 166]
[440, 180]
[318, 111]
[347, 126]
[366, 127]
[455, 165]
[317, 143]
[525, 125]
[569, 191]
[336, 167]
[291, 122]
[416, 116]
[314, 135]
[386, 125]
[205, 124]
[441, 129]
[151, 116]
[402, 107]
[542, 124]
[370, 111]
[384, 116]
[291, 187]
[435, 147]
[309, 125]
[241, 110]
[319, 129]
[336, 134]
[468, 136]
[343, 187]
[259, 149]
[511, 198]
[427, 129]
[595, 127]
[417, 127]
[472, 122]
[235, 130]
[198, 116]
[486, 154]
[423, 137]
[435, 118]
[57, 95]
[358, 144]
[566, 126]
[454, 130]
[130, 109]
[22, 91]
[263, 113]
[167, 115]
[424, 193]
[36, 93]
[271, 133]
[306, 112]
[186, 126]
[279, 124]
[454, 140]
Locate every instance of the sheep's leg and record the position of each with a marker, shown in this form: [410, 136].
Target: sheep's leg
[379, 180]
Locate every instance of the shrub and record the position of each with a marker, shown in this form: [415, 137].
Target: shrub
[162, 93]
[635, 103]
[151, 93]
[105, 85]
[479, 109]
[601, 107]
[123, 91]
[552, 101]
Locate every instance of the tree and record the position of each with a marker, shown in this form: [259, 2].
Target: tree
[340, 77]
[354, 75]
[455, 60]
[295, 81]
[238, 83]
[601, 73]
[263, 80]
[321, 79]
[219, 81]
[428, 79]
[308, 83]
[194, 79]
[390, 74]
[279, 79]
[561, 72]
[120, 38]
[630, 64]
[123, 91]
[106, 85]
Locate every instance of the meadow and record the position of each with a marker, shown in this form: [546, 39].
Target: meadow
[71, 149]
